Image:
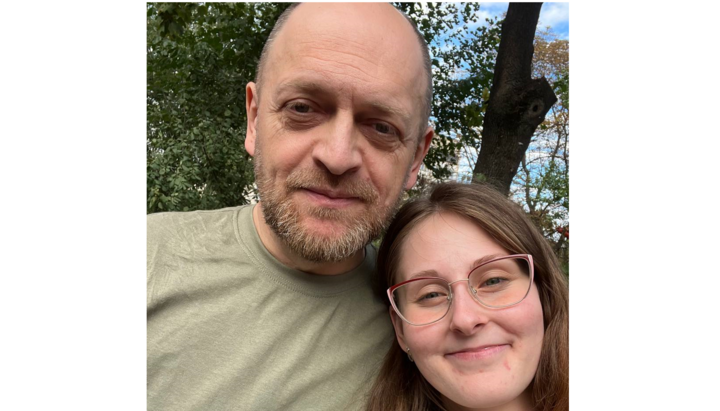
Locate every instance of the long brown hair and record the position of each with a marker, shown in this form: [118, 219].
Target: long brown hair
[400, 386]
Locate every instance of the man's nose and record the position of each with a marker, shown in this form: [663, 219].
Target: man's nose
[466, 314]
[337, 149]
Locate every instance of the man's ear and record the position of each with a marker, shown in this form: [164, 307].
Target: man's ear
[398, 325]
[420, 152]
[251, 108]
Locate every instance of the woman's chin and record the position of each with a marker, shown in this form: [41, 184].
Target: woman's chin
[485, 400]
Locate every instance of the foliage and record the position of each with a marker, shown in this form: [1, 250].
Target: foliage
[199, 59]
[463, 53]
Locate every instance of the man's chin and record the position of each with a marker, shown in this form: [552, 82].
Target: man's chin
[323, 234]
[326, 229]
[327, 239]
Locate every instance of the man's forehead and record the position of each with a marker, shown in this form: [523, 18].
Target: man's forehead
[348, 15]
[374, 58]
[363, 32]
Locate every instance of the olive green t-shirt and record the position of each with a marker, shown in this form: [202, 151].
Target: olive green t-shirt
[231, 328]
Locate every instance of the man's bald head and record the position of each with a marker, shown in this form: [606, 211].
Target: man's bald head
[426, 63]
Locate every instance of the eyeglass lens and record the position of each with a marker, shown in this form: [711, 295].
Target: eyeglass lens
[496, 284]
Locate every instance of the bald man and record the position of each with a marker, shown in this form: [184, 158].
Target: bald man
[269, 307]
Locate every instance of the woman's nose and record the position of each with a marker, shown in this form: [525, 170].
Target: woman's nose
[466, 314]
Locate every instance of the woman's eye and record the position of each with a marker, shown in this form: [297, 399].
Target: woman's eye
[493, 281]
[430, 296]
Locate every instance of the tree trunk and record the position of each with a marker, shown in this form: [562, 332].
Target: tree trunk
[517, 103]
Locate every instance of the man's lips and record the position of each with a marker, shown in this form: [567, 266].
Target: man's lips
[331, 198]
[332, 194]
[480, 352]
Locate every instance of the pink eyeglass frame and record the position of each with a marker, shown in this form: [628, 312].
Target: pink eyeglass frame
[526, 257]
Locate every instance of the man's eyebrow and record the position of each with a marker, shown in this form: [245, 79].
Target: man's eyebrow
[308, 86]
[387, 109]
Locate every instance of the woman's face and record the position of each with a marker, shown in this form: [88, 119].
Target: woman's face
[476, 356]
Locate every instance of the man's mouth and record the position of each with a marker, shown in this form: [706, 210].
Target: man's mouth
[332, 194]
[331, 198]
[331, 189]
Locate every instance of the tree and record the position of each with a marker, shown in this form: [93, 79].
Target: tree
[199, 59]
[517, 104]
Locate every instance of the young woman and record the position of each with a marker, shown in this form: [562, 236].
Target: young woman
[479, 305]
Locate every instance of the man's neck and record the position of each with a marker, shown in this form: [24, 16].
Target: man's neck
[285, 255]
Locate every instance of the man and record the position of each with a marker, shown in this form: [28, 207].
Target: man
[270, 307]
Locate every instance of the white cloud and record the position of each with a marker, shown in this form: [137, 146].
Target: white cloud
[553, 14]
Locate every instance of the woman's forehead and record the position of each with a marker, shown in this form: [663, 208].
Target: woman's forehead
[446, 243]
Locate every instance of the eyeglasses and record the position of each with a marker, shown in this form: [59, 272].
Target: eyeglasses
[499, 283]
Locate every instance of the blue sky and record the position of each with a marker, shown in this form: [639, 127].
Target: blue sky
[555, 15]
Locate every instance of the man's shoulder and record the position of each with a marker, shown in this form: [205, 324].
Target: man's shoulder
[172, 232]
[179, 243]
[184, 216]
[175, 221]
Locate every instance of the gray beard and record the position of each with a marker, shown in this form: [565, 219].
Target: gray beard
[283, 215]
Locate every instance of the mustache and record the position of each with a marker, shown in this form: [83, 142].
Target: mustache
[349, 186]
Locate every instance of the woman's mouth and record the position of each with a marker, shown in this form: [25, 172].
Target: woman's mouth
[484, 352]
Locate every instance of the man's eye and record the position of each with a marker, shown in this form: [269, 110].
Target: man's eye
[300, 108]
[384, 129]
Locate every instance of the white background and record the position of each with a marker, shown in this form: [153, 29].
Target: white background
[645, 279]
